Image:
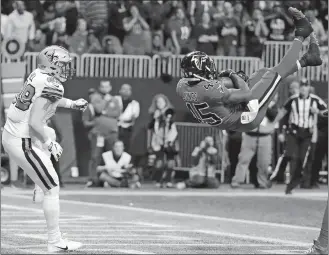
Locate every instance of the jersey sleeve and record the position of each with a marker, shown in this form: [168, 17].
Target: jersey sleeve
[52, 89]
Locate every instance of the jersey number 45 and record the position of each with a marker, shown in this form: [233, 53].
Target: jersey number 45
[209, 118]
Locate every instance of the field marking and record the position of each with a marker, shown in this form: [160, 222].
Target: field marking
[114, 238]
[20, 208]
[188, 193]
[249, 237]
[132, 251]
[283, 251]
[184, 215]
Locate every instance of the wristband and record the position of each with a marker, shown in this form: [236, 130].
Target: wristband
[48, 142]
[253, 105]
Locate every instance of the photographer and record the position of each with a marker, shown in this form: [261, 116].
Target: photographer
[202, 174]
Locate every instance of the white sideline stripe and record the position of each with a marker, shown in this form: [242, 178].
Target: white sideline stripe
[114, 238]
[218, 193]
[15, 207]
[132, 251]
[81, 226]
[185, 215]
[155, 225]
[249, 237]
[88, 230]
[283, 251]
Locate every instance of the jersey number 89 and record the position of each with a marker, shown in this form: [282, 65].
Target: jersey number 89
[209, 118]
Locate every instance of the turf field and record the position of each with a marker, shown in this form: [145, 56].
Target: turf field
[150, 221]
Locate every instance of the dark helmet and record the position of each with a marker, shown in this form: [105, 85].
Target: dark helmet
[198, 63]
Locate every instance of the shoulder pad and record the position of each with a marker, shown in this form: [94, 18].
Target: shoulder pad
[53, 89]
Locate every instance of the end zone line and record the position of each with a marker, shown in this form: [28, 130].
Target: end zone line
[132, 251]
[185, 215]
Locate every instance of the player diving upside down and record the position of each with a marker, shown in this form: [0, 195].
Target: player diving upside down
[243, 107]
[26, 122]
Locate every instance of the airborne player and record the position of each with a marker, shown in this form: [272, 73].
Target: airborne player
[26, 121]
[243, 107]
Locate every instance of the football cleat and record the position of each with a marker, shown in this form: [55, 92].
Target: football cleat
[63, 245]
[302, 24]
[312, 57]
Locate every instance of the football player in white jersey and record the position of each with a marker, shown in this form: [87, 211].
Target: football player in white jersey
[27, 116]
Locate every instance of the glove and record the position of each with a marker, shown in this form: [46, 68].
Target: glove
[55, 149]
[79, 104]
[226, 73]
[243, 75]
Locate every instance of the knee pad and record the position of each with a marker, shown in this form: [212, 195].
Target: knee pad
[52, 193]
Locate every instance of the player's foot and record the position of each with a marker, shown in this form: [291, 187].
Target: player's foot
[63, 245]
[288, 191]
[302, 24]
[317, 249]
[312, 57]
[235, 185]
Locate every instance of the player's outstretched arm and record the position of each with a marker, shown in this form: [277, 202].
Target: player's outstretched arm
[79, 104]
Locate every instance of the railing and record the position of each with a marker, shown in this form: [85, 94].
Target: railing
[190, 135]
[171, 65]
[275, 51]
[104, 65]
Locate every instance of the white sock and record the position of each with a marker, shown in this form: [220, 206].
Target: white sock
[51, 211]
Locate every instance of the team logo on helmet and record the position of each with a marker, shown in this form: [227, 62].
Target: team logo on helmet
[198, 61]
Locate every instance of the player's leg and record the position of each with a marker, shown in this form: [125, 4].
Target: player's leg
[321, 244]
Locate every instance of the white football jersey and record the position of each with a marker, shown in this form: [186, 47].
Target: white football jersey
[38, 84]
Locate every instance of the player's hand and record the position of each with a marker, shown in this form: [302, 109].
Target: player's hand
[55, 149]
[80, 104]
[226, 73]
[243, 75]
[281, 138]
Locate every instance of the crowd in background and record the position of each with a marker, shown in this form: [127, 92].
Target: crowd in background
[157, 27]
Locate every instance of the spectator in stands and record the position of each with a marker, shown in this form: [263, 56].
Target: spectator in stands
[278, 23]
[219, 10]
[205, 35]
[71, 16]
[36, 8]
[59, 36]
[118, 170]
[96, 15]
[179, 30]
[257, 141]
[39, 41]
[323, 14]
[241, 13]
[78, 41]
[93, 44]
[112, 45]
[20, 24]
[256, 34]
[117, 12]
[130, 110]
[137, 40]
[156, 13]
[49, 11]
[158, 47]
[162, 140]
[317, 26]
[229, 30]
[105, 128]
[202, 174]
[196, 10]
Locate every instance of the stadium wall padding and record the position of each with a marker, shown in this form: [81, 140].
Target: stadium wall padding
[143, 91]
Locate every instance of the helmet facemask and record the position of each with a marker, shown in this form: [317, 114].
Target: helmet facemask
[65, 71]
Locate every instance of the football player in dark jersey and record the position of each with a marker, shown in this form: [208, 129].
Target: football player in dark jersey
[243, 107]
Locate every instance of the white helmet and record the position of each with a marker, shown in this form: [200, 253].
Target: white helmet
[56, 61]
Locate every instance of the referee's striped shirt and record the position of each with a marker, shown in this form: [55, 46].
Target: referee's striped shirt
[299, 110]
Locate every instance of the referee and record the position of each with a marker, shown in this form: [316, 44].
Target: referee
[302, 109]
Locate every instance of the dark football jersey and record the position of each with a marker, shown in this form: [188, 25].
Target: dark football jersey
[206, 101]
